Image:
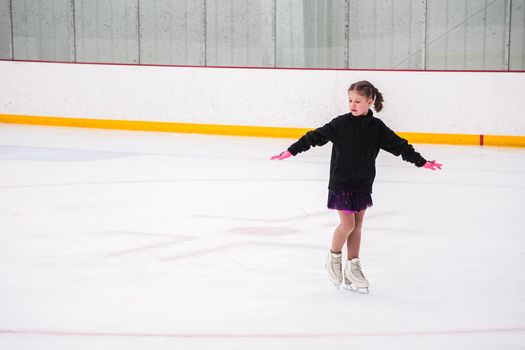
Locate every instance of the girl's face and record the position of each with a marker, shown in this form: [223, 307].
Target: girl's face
[358, 104]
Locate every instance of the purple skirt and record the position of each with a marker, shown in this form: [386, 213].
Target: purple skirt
[352, 201]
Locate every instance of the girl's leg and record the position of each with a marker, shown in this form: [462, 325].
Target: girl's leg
[346, 226]
[353, 242]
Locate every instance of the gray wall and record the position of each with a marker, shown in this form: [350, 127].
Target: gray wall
[240, 33]
[389, 34]
[106, 30]
[42, 30]
[5, 30]
[172, 32]
[312, 33]
[467, 34]
[517, 37]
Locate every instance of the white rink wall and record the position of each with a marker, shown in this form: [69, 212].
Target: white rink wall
[436, 102]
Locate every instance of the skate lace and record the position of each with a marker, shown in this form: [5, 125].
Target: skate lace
[356, 270]
[336, 266]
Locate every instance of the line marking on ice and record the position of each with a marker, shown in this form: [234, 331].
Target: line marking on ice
[258, 335]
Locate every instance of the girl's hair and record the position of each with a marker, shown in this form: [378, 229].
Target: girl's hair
[368, 90]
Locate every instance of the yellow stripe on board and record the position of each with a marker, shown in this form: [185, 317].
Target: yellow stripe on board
[497, 140]
[464, 139]
[450, 139]
[260, 131]
[214, 129]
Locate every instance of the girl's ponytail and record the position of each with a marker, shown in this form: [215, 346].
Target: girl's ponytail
[378, 102]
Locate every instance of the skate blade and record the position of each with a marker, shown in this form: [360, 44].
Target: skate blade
[352, 288]
[336, 284]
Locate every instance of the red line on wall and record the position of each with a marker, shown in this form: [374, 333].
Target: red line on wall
[271, 68]
[481, 140]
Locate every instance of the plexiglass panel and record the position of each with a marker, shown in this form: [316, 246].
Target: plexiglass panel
[43, 30]
[107, 31]
[172, 32]
[381, 34]
[466, 35]
[240, 33]
[312, 33]
[386, 34]
[5, 30]
[517, 36]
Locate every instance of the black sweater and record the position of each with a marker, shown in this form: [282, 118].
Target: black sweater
[356, 143]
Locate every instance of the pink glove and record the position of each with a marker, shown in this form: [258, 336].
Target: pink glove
[432, 165]
[282, 156]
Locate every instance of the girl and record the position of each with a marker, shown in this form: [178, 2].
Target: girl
[357, 138]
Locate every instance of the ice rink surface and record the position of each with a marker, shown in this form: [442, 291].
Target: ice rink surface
[137, 240]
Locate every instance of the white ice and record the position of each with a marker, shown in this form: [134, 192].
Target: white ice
[137, 240]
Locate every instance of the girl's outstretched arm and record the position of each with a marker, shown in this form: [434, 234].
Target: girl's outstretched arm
[313, 138]
[397, 145]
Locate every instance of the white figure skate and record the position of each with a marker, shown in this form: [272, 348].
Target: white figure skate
[355, 280]
[334, 268]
